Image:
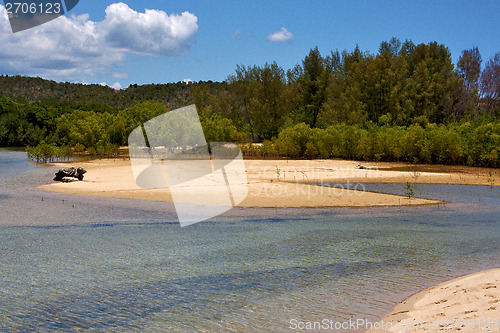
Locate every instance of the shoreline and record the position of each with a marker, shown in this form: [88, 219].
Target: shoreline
[281, 183]
[469, 303]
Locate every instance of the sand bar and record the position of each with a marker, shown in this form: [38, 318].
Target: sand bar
[283, 183]
[469, 303]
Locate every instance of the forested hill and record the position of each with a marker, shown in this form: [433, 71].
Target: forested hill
[37, 90]
[406, 102]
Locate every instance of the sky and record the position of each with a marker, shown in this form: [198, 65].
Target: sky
[162, 41]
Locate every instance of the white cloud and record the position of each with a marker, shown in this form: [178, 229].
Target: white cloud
[70, 48]
[64, 49]
[281, 36]
[187, 81]
[116, 86]
[236, 33]
[151, 33]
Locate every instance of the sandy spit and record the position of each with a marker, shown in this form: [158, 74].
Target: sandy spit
[282, 183]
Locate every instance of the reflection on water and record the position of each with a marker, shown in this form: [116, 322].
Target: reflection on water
[124, 265]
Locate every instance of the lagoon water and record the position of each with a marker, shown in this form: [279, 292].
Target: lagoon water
[471, 194]
[73, 263]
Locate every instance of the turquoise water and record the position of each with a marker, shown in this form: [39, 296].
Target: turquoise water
[122, 265]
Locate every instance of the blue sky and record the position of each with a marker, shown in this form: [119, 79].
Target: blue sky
[122, 43]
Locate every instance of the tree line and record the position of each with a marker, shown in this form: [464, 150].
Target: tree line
[407, 102]
[465, 143]
[401, 85]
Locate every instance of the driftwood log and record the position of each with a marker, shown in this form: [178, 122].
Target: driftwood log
[71, 173]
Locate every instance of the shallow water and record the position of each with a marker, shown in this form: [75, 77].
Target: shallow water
[13, 162]
[124, 265]
[472, 194]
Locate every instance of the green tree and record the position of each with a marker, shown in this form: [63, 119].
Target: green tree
[270, 103]
[241, 87]
[217, 129]
[490, 85]
[469, 69]
[346, 95]
[144, 111]
[314, 84]
[430, 81]
[392, 47]
[260, 99]
[385, 81]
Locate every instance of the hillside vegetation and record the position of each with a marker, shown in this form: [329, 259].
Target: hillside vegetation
[407, 102]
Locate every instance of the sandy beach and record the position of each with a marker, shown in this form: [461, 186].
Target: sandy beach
[284, 183]
[469, 303]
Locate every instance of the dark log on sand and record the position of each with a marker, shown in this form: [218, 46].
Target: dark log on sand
[70, 172]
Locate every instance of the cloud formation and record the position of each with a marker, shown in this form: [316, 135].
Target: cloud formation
[116, 85]
[281, 36]
[238, 34]
[153, 33]
[73, 48]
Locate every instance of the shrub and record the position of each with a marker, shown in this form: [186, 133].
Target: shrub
[47, 153]
[267, 148]
[292, 141]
